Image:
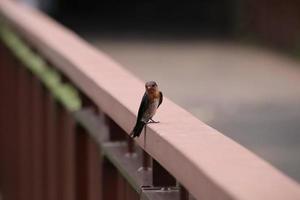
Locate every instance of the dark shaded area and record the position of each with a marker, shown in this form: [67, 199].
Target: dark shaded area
[154, 17]
[271, 23]
[275, 23]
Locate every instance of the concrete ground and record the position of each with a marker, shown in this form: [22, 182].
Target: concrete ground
[251, 95]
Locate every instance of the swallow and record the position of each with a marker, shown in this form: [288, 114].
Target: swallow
[150, 102]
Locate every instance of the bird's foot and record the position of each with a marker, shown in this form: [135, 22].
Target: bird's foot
[151, 121]
[132, 135]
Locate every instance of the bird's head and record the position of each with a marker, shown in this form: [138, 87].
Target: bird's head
[151, 87]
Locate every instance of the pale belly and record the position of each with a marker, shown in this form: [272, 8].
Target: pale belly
[149, 113]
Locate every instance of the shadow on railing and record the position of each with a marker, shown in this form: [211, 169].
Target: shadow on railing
[66, 110]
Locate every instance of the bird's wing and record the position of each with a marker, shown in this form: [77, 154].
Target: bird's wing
[144, 105]
[160, 98]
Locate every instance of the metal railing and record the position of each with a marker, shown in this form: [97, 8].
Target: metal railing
[67, 109]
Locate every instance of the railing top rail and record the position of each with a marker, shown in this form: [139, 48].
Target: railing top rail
[207, 163]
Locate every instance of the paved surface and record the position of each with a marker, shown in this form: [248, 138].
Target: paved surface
[249, 94]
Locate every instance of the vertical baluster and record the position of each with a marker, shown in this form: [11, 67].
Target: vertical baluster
[66, 154]
[184, 194]
[15, 130]
[10, 131]
[88, 160]
[94, 170]
[81, 164]
[44, 141]
[2, 116]
[29, 144]
[2, 78]
[116, 133]
[130, 146]
[24, 139]
[5, 77]
[121, 187]
[37, 137]
[146, 161]
[88, 167]
[51, 148]
[109, 180]
[161, 177]
[18, 131]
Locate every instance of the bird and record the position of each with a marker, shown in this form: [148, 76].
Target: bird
[151, 100]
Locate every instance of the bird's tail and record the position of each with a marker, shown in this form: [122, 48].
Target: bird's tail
[136, 132]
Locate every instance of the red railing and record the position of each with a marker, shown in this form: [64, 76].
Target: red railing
[67, 109]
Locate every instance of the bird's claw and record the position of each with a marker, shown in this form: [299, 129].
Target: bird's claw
[151, 121]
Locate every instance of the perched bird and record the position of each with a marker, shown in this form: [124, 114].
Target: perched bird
[150, 102]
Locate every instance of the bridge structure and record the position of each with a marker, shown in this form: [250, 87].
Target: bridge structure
[67, 109]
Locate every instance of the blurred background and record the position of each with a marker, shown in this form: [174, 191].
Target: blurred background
[233, 64]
